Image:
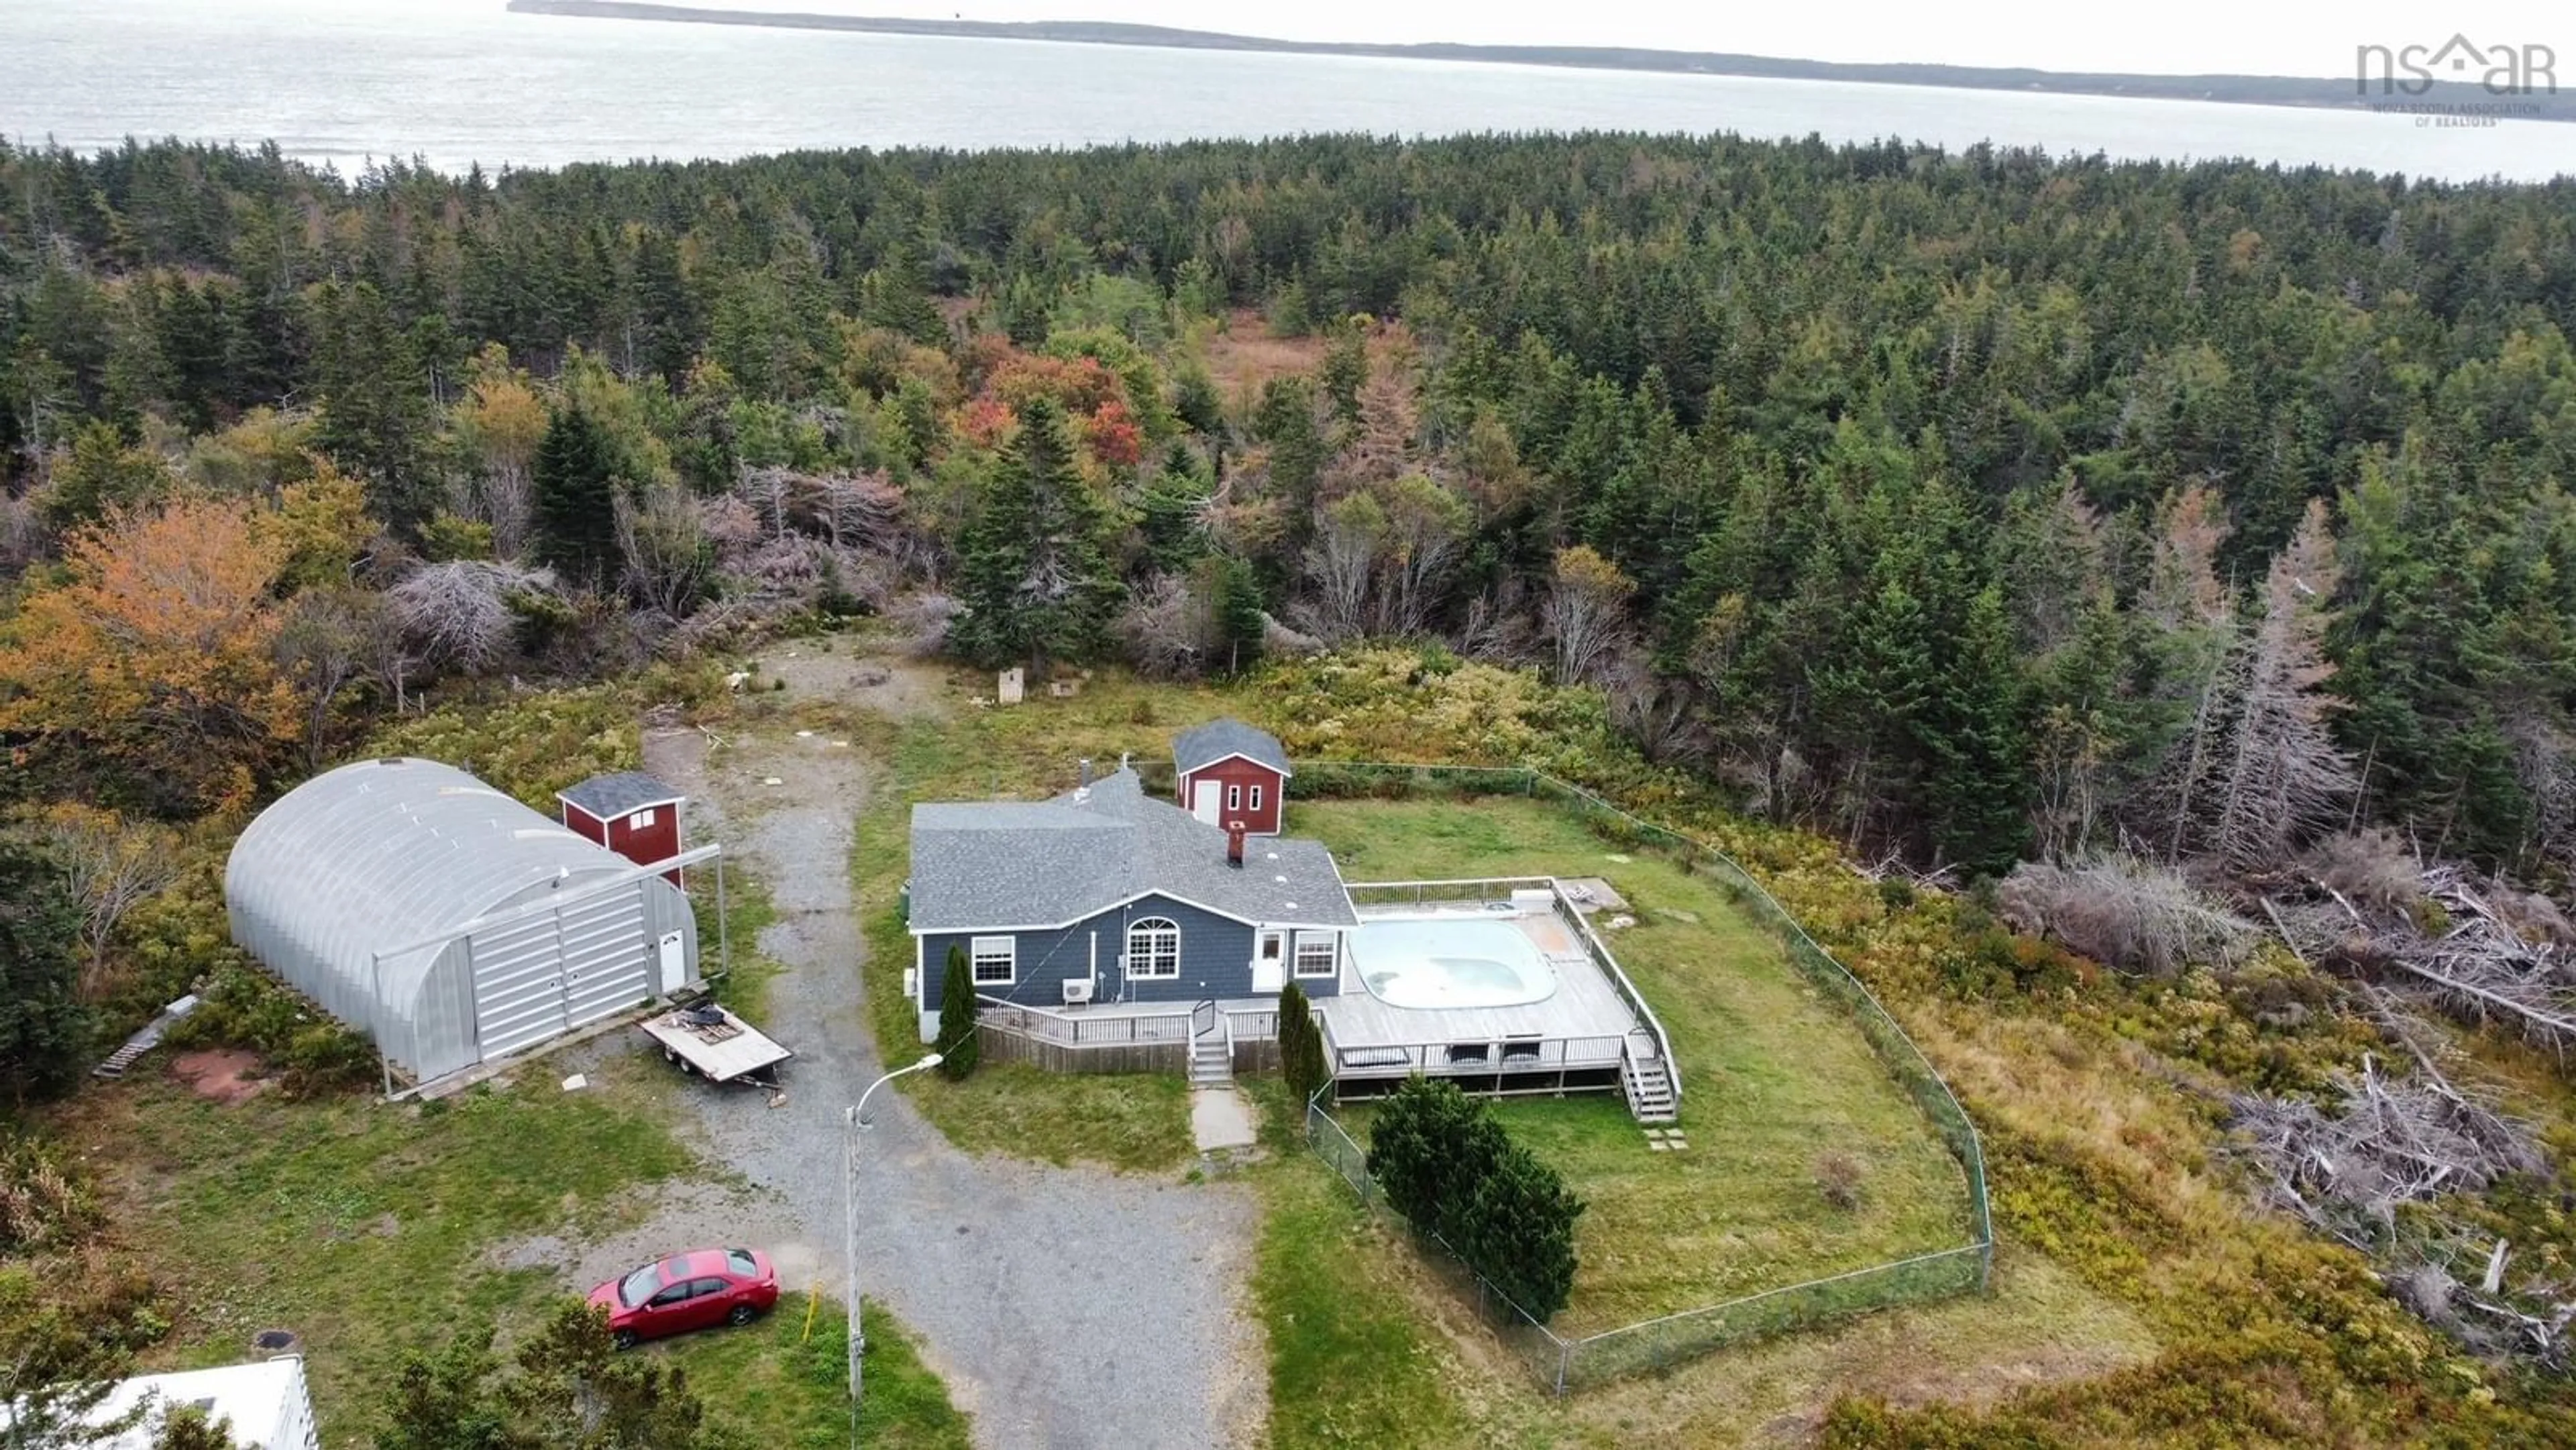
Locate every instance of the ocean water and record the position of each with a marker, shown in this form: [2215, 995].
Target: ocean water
[343, 81]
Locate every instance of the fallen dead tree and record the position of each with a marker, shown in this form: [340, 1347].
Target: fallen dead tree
[2376, 1169]
[2480, 951]
[2130, 915]
[2389, 1141]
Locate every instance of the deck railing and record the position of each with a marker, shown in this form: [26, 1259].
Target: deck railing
[1255, 1024]
[1402, 1059]
[1085, 1029]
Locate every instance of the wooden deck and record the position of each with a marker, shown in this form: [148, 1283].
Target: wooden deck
[1582, 1024]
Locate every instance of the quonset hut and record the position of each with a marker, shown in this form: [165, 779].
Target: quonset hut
[446, 920]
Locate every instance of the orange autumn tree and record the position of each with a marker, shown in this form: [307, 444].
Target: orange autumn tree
[152, 663]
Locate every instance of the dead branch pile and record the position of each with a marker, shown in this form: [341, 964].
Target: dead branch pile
[2392, 1144]
[2130, 915]
[2483, 951]
[2390, 1141]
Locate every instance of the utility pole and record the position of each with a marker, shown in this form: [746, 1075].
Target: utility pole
[853, 1120]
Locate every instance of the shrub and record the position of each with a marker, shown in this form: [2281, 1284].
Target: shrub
[1301, 1046]
[1518, 1231]
[1838, 1177]
[242, 1006]
[1445, 1163]
[959, 1047]
[44, 1202]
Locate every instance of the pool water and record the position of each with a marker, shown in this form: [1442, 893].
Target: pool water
[1450, 961]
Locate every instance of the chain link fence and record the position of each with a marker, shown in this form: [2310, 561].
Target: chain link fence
[1652, 1344]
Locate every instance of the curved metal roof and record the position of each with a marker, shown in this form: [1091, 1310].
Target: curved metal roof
[379, 854]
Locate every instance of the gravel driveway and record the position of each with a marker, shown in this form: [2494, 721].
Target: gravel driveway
[1064, 1307]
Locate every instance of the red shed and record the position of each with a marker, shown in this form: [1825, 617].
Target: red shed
[630, 813]
[1231, 775]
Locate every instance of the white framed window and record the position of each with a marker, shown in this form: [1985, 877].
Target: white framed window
[644, 818]
[1154, 947]
[1256, 797]
[1318, 953]
[1234, 797]
[996, 960]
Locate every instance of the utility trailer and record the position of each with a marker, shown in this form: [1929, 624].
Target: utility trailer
[710, 1042]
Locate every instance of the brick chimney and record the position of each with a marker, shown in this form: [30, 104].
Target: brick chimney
[1234, 845]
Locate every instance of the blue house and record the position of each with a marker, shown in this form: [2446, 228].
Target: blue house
[1106, 895]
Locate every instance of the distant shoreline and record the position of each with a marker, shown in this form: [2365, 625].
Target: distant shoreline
[2442, 98]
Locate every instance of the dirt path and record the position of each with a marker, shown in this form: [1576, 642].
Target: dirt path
[1065, 1308]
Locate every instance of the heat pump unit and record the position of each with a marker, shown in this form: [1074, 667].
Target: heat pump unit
[1077, 990]
[911, 984]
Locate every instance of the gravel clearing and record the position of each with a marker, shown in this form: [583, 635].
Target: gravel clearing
[1064, 1307]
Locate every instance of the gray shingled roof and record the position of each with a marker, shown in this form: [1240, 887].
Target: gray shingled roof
[1217, 739]
[607, 797]
[1029, 864]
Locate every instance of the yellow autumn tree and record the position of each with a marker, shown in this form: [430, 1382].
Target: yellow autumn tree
[319, 527]
[152, 662]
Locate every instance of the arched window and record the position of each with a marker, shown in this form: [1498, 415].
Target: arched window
[1154, 947]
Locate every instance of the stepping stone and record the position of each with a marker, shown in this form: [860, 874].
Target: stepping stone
[1659, 1145]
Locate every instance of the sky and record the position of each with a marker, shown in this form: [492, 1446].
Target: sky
[2167, 36]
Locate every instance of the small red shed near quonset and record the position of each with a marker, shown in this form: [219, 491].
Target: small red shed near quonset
[1232, 776]
[631, 813]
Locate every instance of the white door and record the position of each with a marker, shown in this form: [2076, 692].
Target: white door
[1203, 803]
[675, 961]
[1270, 961]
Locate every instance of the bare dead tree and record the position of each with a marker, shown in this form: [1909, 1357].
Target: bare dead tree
[1426, 527]
[458, 614]
[112, 865]
[2286, 779]
[2130, 915]
[1585, 612]
[333, 639]
[504, 497]
[1167, 628]
[662, 539]
[2460, 948]
[1341, 562]
[2390, 1142]
[1652, 710]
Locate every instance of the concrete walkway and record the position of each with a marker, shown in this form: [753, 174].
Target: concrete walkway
[1220, 1119]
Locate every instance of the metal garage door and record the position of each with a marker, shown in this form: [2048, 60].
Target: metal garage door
[518, 984]
[545, 974]
[608, 960]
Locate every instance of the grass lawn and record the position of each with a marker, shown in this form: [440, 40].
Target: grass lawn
[372, 1230]
[1138, 1122]
[1371, 1348]
[1776, 1081]
[783, 1384]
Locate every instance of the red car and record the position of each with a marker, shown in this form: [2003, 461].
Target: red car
[696, 1290]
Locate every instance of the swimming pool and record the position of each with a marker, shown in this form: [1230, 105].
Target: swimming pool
[1450, 961]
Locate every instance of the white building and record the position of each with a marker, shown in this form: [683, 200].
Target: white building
[264, 1406]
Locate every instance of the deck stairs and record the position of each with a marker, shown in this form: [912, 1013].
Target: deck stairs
[1211, 1060]
[145, 1040]
[1647, 1083]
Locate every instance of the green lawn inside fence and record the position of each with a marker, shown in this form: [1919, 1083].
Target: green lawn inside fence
[1782, 1093]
